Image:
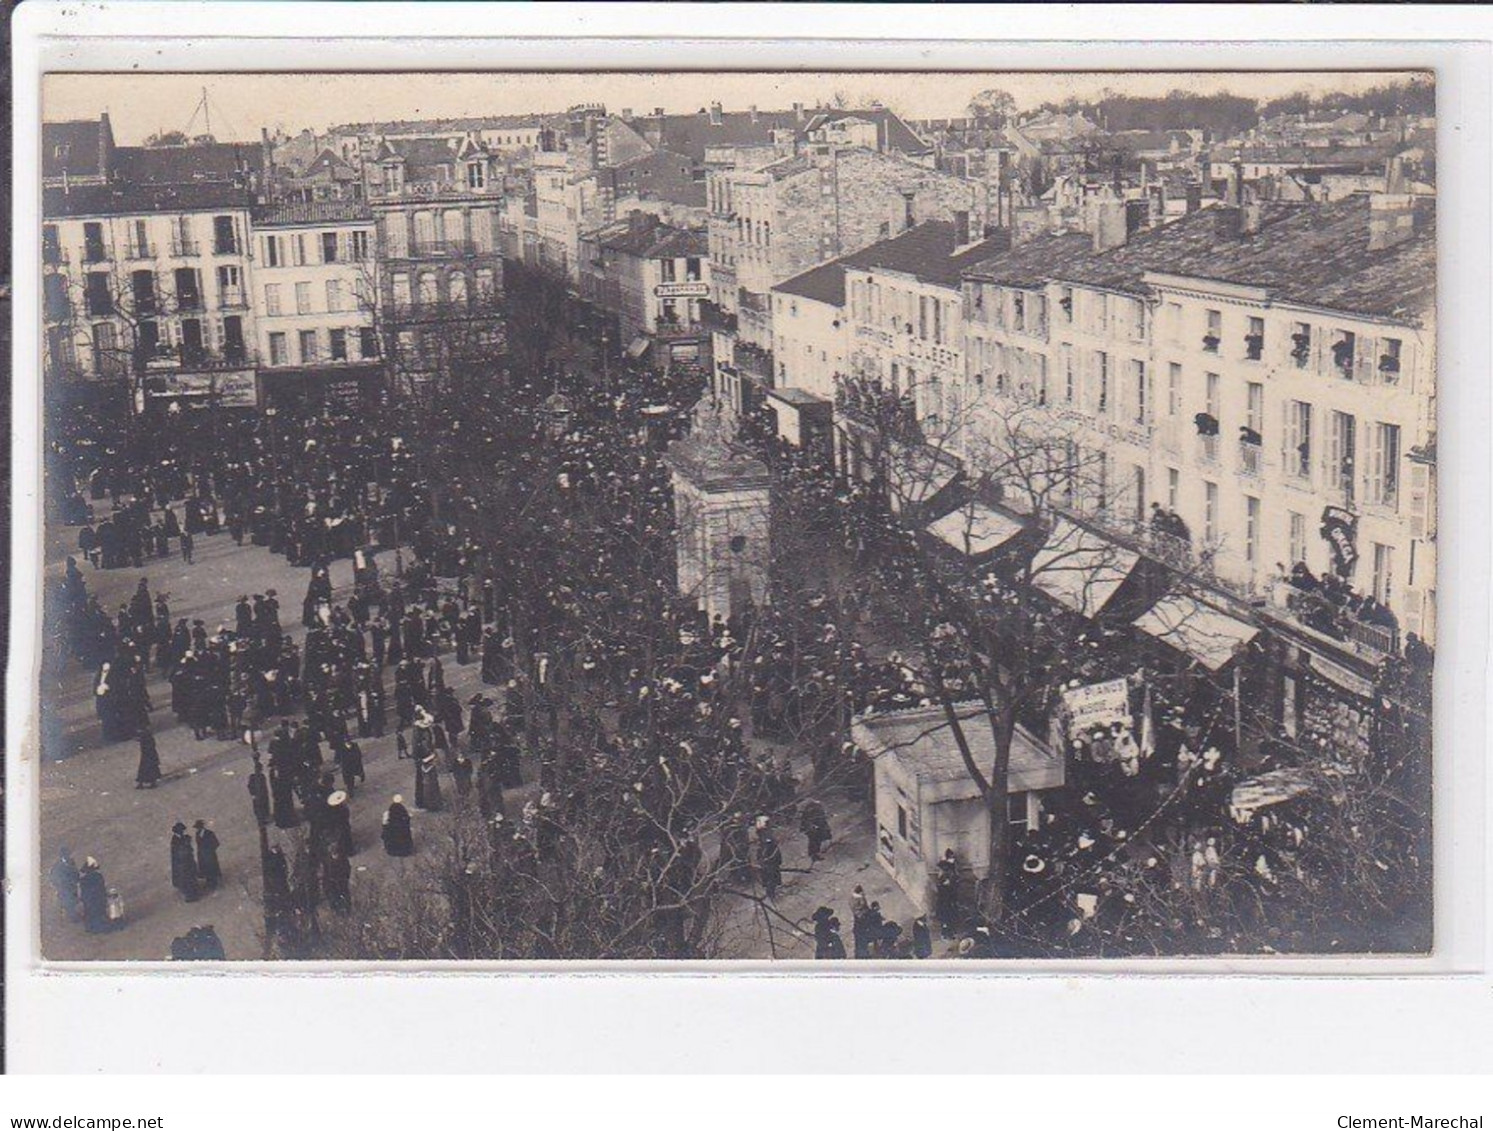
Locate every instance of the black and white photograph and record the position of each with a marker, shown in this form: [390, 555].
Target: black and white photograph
[789, 518]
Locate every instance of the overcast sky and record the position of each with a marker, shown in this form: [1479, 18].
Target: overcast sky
[240, 104]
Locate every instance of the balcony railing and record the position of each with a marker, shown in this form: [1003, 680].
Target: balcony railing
[441, 249]
[1249, 458]
[95, 253]
[1208, 449]
[1333, 617]
[233, 298]
[144, 250]
[185, 249]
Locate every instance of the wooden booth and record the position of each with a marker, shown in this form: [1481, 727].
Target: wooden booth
[927, 803]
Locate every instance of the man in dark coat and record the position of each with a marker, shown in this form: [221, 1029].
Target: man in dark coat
[946, 894]
[397, 834]
[769, 863]
[65, 879]
[183, 863]
[149, 770]
[259, 791]
[815, 826]
[337, 881]
[208, 868]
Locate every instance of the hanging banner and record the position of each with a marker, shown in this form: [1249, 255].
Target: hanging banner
[1340, 529]
[1097, 705]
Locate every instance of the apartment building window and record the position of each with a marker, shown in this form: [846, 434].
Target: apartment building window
[225, 237]
[303, 298]
[182, 242]
[1254, 340]
[308, 346]
[1101, 480]
[329, 247]
[230, 286]
[51, 245]
[1210, 513]
[1344, 349]
[272, 299]
[1174, 321]
[192, 346]
[139, 240]
[429, 288]
[1384, 465]
[1101, 367]
[1173, 389]
[338, 341]
[456, 285]
[1342, 453]
[1138, 381]
[97, 296]
[401, 285]
[279, 355]
[486, 287]
[334, 295]
[1065, 304]
[55, 299]
[1301, 344]
[1389, 360]
[298, 249]
[1210, 395]
[1018, 312]
[188, 289]
[1042, 379]
[93, 243]
[1251, 530]
[143, 290]
[148, 340]
[106, 358]
[1213, 334]
[476, 175]
[367, 341]
[272, 252]
[360, 246]
[1140, 494]
[234, 348]
[1068, 379]
[1298, 439]
[1296, 532]
[1383, 573]
[1173, 488]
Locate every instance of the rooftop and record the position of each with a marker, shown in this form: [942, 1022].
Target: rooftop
[928, 252]
[650, 238]
[187, 164]
[76, 148]
[923, 741]
[893, 132]
[1312, 254]
[129, 200]
[313, 212]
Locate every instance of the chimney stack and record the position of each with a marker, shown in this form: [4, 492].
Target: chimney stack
[961, 228]
[1236, 183]
[798, 111]
[1250, 215]
[1194, 197]
[715, 114]
[627, 113]
[1107, 224]
[1394, 174]
[754, 115]
[1391, 219]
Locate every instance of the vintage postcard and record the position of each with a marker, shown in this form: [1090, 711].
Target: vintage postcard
[783, 517]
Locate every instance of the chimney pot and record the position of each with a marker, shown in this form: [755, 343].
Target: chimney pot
[961, 228]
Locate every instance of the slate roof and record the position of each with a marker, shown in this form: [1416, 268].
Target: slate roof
[187, 164]
[691, 134]
[895, 134]
[313, 212]
[651, 241]
[76, 148]
[442, 125]
[926, 252]
[1312, 254]
[128, 200]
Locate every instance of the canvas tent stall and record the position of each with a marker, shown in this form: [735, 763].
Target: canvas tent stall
[1079, 569]
[1266, 791]
[926, 801]
[1207, 635]
[975, 529]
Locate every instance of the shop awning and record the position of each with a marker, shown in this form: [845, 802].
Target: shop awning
[975, 529]
[1272, 788]
[637, 347]
[1207, 635]
[1079, 569]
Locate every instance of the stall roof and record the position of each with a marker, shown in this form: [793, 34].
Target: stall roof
[1207, 635]
[637, 347]
[1272, 788]
[975, 529]
[1080, 569]
[921, 740]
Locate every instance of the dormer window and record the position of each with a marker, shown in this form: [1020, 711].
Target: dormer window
[476, 175]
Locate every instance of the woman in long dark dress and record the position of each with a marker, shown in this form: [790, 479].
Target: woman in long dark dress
[94, 895]
[399, 839]
[149, 770]
[209, 870]
[183, 863]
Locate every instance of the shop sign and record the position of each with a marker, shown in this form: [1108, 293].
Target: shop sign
[1097, 705]
[232, 390]
[681, 290]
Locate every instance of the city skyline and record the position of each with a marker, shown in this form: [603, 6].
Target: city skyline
[141, 105]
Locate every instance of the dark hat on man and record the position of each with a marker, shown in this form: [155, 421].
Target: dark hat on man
[178, 827]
